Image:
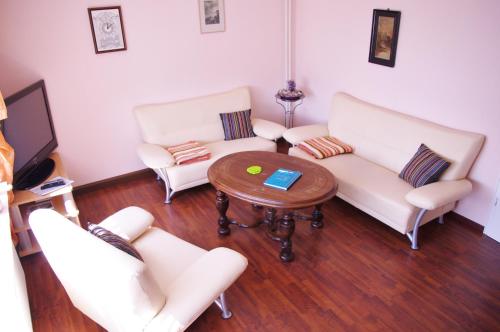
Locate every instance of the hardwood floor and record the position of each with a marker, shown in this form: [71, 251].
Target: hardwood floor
[355, 274]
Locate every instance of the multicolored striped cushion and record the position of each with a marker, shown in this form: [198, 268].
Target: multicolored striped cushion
[324, 147]
[237, 125]
[113, 239]
[189, 152]
[425, 167]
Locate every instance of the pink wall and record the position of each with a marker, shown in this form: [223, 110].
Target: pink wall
[92, 96]
[447, 70]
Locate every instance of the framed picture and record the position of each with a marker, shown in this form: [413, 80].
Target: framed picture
[107, 29]
[384, 41]
[212, 18]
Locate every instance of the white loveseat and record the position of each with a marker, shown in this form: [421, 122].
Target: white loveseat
[384, 141]
[197, 119]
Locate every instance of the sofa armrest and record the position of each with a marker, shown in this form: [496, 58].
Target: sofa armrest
[299, 134]
[129, 223]
[434, 195]
[154, 156]
[267, 129]
[195, 289]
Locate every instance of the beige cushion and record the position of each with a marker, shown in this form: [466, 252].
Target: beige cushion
[87, 274]
[298, 134]
[128, 223]
[372, 188]
[267, 129]
[390, 139]
[186, 176]
[195, 119]
[202, 283]
[168, 263]
[191, 277]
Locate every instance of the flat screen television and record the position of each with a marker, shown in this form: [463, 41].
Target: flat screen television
[30, 131]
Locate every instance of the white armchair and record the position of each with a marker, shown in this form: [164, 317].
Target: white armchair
[174, 285]
[197, 119]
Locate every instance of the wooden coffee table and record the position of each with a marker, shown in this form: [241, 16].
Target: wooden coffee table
[229, 176]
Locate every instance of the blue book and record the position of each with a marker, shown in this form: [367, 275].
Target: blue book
[282, 179]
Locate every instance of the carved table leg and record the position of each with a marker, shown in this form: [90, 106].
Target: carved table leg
[288, 224]
[257, 207]
[271, 219]
[317, 217]
[222, 204]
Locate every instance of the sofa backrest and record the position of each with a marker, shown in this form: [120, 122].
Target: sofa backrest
[390, 139]
[190, 119]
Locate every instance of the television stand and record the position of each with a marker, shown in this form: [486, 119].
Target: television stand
[36, 175]
[25, 202]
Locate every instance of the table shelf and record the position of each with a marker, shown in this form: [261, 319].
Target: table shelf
[25, 202]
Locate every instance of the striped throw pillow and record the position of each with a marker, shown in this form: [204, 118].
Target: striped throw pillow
[189, 152]
[113, 239]
[237, 125]
[324, 147]
[425, 167]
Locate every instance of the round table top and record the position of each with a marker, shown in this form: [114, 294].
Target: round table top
[229, 175]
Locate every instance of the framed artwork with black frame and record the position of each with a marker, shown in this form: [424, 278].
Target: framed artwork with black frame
[384, 40]
[212, 17]
[107, 29]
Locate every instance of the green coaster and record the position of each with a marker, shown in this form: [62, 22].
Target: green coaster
[254, 169]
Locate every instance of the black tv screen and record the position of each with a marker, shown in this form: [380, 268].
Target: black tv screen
[30, 131]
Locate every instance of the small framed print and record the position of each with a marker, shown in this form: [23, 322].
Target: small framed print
[212, 18]
[107, 29]
[384, 40]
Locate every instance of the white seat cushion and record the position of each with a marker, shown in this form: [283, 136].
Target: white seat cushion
[190, 277]
[201, 283]
[378, 188]
[186, 176]
[166, 264]
[373, 189]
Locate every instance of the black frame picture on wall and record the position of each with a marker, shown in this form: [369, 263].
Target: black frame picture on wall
[107, 29]
[384, 39]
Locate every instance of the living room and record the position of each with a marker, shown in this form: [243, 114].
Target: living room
[355, 273]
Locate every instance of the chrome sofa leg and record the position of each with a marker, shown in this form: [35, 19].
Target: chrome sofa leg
[221, 303]
[413, 236]
[441, 219]
[170, 192]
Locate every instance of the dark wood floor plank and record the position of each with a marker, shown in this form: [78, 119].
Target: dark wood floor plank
[355, 274]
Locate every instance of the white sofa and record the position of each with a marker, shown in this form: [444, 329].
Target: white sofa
[384, 141]
[174, 285]
[197, 119]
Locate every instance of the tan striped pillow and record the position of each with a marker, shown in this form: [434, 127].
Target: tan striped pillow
[189, 152]
[324, 147]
